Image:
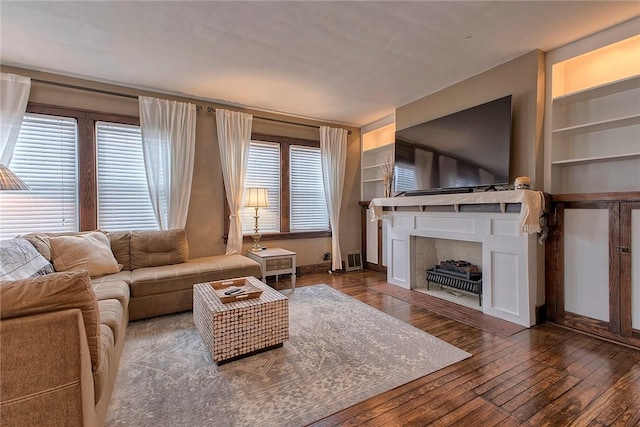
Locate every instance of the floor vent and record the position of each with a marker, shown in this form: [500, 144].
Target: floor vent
[354, 261]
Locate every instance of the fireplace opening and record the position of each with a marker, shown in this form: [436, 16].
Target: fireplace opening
[456, 274]
[448, 269]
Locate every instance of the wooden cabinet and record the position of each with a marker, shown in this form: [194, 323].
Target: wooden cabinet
[593, 264]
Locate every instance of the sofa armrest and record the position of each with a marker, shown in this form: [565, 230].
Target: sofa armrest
[55, 292]
[46, 372]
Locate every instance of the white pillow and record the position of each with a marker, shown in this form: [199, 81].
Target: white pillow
[20, 260]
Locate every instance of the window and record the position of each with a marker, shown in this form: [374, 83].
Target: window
[57, 156]
[291, 170]
[45, 159]
[308, 205]
[123, 195]
[263, 171]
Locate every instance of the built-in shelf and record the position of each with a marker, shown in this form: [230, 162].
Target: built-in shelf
[596, 159]
[592, 136]
[599, 126]
[373, 161]
[599, 91]
[385, 147]
[373, 166]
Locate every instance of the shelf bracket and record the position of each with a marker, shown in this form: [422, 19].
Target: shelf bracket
[503, 207]
[456, 207]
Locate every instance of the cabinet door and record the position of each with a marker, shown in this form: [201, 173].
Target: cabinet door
[585, 287]
[629, 253]
[372, 240]
[593, 268]
[586, 262]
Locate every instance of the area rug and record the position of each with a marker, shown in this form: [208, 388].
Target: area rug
[340, 352]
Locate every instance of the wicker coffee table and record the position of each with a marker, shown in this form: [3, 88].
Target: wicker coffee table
[240, 328]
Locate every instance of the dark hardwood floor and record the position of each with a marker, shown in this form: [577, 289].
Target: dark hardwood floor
[542, 376]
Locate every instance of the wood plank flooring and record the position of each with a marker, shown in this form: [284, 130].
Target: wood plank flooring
[542, 376]
[451, 310]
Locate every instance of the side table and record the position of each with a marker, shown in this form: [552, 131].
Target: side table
[275, 261]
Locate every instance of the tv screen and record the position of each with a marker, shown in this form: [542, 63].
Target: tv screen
[466, 149]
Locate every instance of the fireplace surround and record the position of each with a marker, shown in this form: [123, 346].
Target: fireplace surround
[503, 224]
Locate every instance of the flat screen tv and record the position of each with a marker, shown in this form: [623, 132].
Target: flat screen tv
[461, 151]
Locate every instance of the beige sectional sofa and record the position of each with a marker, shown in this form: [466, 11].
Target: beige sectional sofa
[62, 334]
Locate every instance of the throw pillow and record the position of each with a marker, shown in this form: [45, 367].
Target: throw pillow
[89, 252]
[20, 260]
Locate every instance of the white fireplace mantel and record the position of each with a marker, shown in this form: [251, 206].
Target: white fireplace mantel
[532, 204]
[509, 248]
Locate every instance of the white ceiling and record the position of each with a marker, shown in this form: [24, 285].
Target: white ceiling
[346, 62]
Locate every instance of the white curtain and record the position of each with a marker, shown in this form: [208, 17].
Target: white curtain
[333, 152]
[14, 94]
[168, 143]
[234, 136]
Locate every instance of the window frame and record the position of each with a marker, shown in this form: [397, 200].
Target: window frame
[285, 188]
[87, 162]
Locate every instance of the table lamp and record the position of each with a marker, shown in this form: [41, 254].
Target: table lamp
[10, 181]
[256, 198]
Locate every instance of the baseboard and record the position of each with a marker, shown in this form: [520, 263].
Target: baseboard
[314, 268]
[375, 267]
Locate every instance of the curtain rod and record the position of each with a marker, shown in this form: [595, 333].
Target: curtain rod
[126, 95]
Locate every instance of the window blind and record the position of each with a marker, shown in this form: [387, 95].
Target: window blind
[45, 159]
[123, 195]
[263, 171]
[308, 205]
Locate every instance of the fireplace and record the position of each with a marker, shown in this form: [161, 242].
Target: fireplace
[432, 252]
[490, 236]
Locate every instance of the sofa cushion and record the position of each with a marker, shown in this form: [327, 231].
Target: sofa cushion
[53, 292]
[112, 315]
[169, 278]
[41, 240]
[90, 252]
[119, 241]
[102, 375]
[155, 248]
[121, 276]
[19, 260]
[112, 290]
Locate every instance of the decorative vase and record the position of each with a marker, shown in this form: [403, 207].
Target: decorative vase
[388, 185]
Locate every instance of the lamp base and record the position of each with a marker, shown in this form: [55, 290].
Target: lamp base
[256, 246]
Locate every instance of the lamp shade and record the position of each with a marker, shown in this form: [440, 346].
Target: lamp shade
[257, 198]
[10, 181]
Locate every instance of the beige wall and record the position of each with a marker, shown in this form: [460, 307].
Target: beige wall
[205, 223]
[524, 78]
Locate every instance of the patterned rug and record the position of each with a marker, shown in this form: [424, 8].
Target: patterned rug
[340, 352]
